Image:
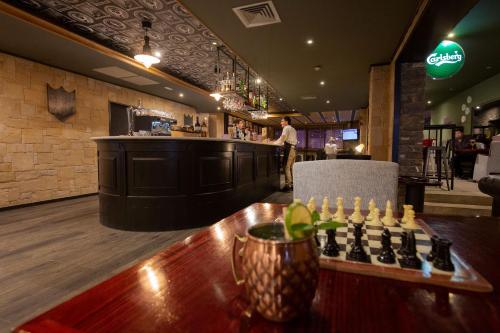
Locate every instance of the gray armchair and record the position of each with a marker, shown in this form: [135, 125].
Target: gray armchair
[491, 183]
[348, 179]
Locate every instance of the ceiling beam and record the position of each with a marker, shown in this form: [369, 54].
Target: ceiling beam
[322, 117]
[308, 118]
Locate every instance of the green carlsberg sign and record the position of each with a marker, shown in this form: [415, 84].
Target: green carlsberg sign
[446, 60]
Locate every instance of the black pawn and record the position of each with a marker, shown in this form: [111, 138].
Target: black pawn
[410, 259]
[357, 252]
[432, 255]
[387, 254]
[402, 247]
[331, 248]
[443, 256]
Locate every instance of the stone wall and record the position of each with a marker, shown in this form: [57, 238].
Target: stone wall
[42, 158]
[411, 118]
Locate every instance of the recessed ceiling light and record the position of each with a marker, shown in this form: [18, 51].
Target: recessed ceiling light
[281, 98]
[478, 107]
[321, 83]
[327, 101]
[258, 80]
[310, 41]
[293, 109]
[157, 54]
[451, 35]
[168, 88]
[317, 68]
[429, 102]
[218, 108]
[181, 95]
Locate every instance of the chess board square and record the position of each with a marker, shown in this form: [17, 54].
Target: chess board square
[421, 236]
[373, 232]
[395, 240]
[423, 249]
[341, 234]
[374, 227]
[423, 242]
[374, 238]
[341, 240]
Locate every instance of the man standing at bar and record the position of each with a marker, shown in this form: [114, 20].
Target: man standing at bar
[288, 138]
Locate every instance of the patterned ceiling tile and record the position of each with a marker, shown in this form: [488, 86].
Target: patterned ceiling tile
[185, 44]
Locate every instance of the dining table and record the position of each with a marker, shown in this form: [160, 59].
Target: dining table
[189, 287]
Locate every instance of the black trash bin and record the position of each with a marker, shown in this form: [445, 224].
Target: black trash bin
[414, 191]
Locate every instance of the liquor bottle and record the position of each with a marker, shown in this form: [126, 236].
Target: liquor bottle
[197, 126]
[204, 129]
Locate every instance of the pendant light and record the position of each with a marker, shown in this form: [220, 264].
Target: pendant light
[146, 57]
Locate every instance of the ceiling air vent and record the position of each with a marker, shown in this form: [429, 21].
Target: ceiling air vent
[257, 14]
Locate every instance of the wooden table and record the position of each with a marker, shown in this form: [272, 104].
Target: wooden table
[189, 287]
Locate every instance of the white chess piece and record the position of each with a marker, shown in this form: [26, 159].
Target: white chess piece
[325, 212]
[375, 217]
[297, 200]
[311, 205]
[340, 215]
[406, 208]
[410, 221]
[388, 219]
[356, 217]
[340, 203]
[371, 207]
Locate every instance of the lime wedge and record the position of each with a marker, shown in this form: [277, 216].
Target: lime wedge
[298, 220]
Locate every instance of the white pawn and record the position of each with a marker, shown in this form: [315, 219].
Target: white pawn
[356, 217]
[375, 217]
[340, 215]
[371, 208]
[340, 203]
[311, 205]
[388, 219]
[325, 212]
[410, 220]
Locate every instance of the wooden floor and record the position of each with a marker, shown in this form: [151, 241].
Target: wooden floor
[50, 252]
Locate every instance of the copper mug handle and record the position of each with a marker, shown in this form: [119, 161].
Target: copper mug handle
[242, 239]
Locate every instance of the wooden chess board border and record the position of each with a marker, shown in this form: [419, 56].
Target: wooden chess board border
[464, 277]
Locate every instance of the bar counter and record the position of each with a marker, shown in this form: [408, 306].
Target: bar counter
[166, 183]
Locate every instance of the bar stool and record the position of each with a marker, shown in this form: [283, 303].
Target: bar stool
[436, 154]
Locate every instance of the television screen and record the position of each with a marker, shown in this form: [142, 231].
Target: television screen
[350, 134]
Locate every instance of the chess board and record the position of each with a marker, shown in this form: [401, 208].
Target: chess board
[464, 276]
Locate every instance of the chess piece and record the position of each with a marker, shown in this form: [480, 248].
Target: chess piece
[402, 248]
[325, 212]
[409, 258]
[331, 248]
[340, 215]
[357, 252]
[386, 256]
[371, 207]
[432, 255]
[443, 256]
[297, 200]
[311, 205]
[340, 203]
[406, 208]
[388, 219]
[375, 218]
[410, 221]
[356, 217]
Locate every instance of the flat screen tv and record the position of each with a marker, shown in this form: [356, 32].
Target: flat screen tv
[350, 134]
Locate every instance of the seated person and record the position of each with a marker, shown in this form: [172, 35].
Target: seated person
[330, 148]
[460, 144]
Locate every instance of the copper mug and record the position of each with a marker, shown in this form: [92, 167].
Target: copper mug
[280, 276]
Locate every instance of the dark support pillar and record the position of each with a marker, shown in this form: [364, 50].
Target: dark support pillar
[411, 118]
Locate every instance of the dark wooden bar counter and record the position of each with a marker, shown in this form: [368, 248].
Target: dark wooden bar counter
[189, 287]
[165, 183]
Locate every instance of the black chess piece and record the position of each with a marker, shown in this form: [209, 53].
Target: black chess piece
[432, 255]
[409, 258]
[402, 247]
[387, 254]
[331, 248]
[357, 252]
[443, 256]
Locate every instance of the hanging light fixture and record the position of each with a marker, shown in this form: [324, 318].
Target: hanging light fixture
[146, 57]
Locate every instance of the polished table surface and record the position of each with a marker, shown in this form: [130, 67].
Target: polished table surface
[189, 287]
